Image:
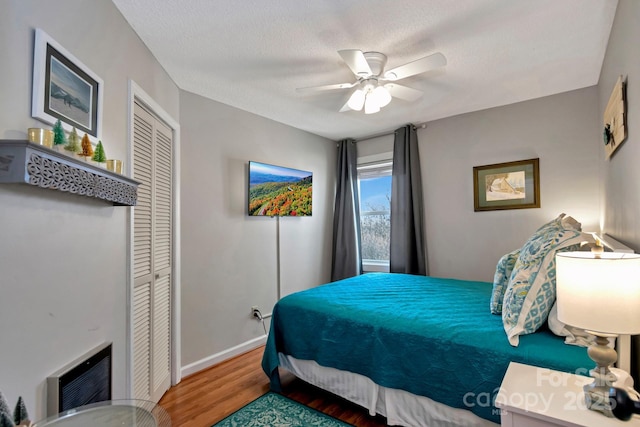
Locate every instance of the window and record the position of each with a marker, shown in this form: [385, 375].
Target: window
[374, 185]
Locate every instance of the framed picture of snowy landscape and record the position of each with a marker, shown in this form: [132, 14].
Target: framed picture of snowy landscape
[512, 185]
[64, 88]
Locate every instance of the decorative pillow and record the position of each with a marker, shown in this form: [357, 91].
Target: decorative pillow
[532, 286]
[501, 280]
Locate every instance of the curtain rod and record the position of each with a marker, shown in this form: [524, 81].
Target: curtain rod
[378, 135]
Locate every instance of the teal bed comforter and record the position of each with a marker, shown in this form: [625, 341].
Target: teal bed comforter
[430, 336]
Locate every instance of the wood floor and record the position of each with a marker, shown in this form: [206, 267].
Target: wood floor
[206, 397]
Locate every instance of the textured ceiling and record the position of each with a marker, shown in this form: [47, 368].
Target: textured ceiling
[253, 54]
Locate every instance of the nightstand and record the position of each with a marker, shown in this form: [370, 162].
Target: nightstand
[539, 397]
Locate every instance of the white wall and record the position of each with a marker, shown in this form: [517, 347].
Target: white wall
[63, 257]
[561, 130]
[620, 173]
[229, 260]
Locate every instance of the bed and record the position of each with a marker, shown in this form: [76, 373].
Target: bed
[418, 350]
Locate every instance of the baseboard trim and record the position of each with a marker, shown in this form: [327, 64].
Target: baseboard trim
[214, 359]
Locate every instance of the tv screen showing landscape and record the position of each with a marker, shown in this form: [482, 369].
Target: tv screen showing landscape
[279, 191]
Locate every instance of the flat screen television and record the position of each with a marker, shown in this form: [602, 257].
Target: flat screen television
[279, 191]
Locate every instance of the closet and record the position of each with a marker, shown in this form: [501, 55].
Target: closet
[152, 255]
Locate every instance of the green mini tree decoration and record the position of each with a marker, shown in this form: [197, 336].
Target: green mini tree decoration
[73, 143]
[4, 405]
[99, 154]
[59, 138]
[86, 148]
[5, 420]
[20, 414]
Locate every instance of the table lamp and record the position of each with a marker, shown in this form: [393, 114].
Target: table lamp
[599, 292]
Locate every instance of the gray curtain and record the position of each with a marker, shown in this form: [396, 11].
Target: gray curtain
[408, 252]
[346, 261]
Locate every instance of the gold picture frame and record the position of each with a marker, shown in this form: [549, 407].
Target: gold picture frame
[511, 185]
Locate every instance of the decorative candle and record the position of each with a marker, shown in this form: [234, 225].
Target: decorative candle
[41, 136]
[114, 165]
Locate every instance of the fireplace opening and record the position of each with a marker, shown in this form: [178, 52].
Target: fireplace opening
[83, 381]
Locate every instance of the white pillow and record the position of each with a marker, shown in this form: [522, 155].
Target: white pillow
[574, 336]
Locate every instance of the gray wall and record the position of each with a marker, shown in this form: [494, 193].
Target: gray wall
[229, 260]
[63, 257]
[561, 130]
[620, 173]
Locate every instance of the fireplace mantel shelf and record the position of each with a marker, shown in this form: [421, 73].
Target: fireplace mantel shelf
[27, 163]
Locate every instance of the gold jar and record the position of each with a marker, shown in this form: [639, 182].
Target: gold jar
[41, 136]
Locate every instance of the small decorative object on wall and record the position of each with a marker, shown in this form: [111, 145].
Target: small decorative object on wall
[22, 162]
[86, 148]
[615, 117]
[64, 88]
[512, 185]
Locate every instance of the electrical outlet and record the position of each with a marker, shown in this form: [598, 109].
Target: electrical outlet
[255, 312]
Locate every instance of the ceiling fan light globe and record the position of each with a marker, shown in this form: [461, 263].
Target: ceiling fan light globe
[382, 96]
[371, 105]
[356, 101]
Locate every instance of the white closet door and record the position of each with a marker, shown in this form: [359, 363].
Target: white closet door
[152, 249]
[162, 250]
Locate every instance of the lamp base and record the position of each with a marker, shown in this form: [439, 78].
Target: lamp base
[597, 398]
[596, 394]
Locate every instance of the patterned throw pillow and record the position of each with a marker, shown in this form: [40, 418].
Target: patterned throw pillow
[501, 280]
[532, 286]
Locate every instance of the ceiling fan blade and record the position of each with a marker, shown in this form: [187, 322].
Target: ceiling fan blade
[345, 107]
[355, 60]
[403, 92]
[418, 66]
[325, 87]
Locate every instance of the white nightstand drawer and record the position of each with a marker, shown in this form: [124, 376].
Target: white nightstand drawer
[538, 397]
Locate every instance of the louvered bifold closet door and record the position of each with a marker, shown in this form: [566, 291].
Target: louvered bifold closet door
[152, 167]
[162, 232]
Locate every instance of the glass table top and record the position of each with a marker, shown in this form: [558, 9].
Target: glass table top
[111, 413]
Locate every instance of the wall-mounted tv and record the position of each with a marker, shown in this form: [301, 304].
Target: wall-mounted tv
[279, 191]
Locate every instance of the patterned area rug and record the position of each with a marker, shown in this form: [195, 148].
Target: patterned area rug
[273, 409]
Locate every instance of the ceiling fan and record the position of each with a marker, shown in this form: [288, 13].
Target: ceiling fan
[371, 92]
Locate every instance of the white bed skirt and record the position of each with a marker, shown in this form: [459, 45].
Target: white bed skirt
[401, 408]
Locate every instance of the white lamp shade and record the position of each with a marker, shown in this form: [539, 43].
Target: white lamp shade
[356, 101]
[599, 294]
